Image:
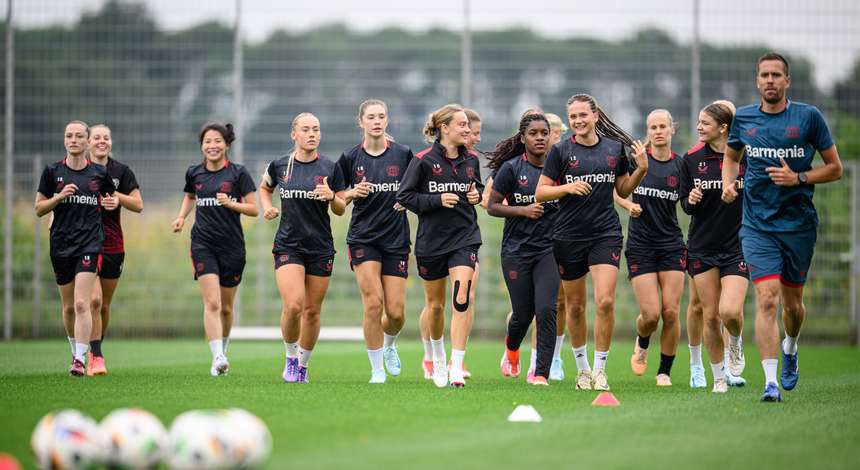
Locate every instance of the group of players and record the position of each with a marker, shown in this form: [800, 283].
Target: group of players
[747, 186]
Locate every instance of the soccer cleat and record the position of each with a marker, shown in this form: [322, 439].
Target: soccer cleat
[639, 359]
[664, 380]
[735, 380]
[89, 363]
[392, 360]
[511, 363]
[466, 373]
[455, 377]
[771, 393]
[556, 371]
[697, 376]
[428, 368]
[220, 366]
[583, 380]
[291, 370]
[539, 380]
[720, 386]
[303, 375]
[377, 377]
[505, 365]
[78, 369]
[599, 380]
[789, 374]
[96, 366]
[737, 362]
[530, 376]
[440, 373]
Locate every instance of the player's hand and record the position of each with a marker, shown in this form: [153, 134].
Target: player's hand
[271, 213]
[695, 196]
[67, 191]
[449, 200]
[730, 193]
[533, 211]
[362, 189]
[323, 192]
[640, 156]
[473, 196]
[177, 224]
[782, 175]
[110, 202]
[578, 188]
[635, 210]
[224, 200]
[398, 207]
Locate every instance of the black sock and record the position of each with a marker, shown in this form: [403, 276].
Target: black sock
[644, 342]
[665, 364]
[96, 347]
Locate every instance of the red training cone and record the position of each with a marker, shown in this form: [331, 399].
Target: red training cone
[605, 399]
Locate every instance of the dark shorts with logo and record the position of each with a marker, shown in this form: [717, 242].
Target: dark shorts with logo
[315, 264]
[575, 257]
[66, 268]
[393, 263]
[729, 264]
[227, 265]
[431, 268]
[111, 265]
[646, 261]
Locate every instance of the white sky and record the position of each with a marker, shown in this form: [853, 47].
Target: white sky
[825, 31]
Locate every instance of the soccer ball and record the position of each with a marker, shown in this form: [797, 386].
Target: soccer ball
[198, 441]
[67, 440]
[135, 439]
[249, 439]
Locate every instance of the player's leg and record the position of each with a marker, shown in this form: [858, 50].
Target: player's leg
[556, 371]
[545, 281]
[518, 279]
[604, 278]
[103, 292]
[368, 274]
[708, 287]
[793, 313]
[210, 291]
[695, 332]
[646, 288]
[67, 299]
[733, 293]
[434, 307]
[671, 287]
[462, 278]
[83, 292]
[316, 287]
[228, 299]
[287, 278]
[470, 316]
[393, 319]
[577, 326]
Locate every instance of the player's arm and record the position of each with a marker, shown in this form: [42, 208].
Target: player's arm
[485, 197]
[631, 207]
[184, 210]
[731, 167]
[132, 201]
[409, 194]
[246, 206]
[829, 172]
[46, 204]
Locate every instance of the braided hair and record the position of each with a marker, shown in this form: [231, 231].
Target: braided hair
[513, 146]
[604, 125]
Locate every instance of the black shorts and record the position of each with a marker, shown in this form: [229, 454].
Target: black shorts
[574, 258]
[393, 263]
[431, 268]
[730, 264]
[111, 267]
[646, 261]
[65, 268]
[227, 265]
[315, 264]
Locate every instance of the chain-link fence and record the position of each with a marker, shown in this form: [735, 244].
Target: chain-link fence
[156, 71]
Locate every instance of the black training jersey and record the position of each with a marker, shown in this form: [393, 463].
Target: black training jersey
[657, 194]
[714, 225]
[217, 227]
[125, 182]
[305, 225]
[517, 180]
[374, 219]
[431, 173]
[77, 228]
[593, 215]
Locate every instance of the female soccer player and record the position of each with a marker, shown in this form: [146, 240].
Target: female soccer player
[528, 265]
[71, 189]
[442, 185]
[113, 253]
[307, 185]
[378, 236]
[656, 257]
[221, 191]
[581, 172]
[715, 260]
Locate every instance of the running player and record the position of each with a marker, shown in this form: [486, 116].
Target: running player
[378, 235]
[307, 185]
[221, 191]
[528, 265]
[71, 189]
[656, 256]
[779, 138]
[442, 185]
[113, 253]
[581, 172]
[714, 258]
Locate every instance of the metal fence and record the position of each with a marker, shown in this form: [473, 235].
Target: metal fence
[155, 82]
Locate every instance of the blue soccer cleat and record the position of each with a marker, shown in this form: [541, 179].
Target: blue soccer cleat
[771, 393]
[789, 374]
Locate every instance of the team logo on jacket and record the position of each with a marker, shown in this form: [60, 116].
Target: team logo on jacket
[115, 182]
[392, 170]
[226, 187]
[513, 275]
[86, 262]
[742, 267]
[359, 171]
[402, 266]
[94, 186]
[329, 264]
[615, 257]
[198, 186]
[751, 132]
[672, 181]
[437, 169]
[572, 162]
[792, 132]
[523, 180]
[60, 182]
[318, 180]
[612, 161]
[702, 168]
[470, 172]
[473, 257]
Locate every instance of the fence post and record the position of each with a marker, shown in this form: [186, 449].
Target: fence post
[37, 259]
[855, 249]
[10, 169]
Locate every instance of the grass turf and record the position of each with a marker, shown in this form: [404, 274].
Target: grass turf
[338, 420]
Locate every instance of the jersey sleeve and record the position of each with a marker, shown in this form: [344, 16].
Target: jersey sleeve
[106, 185]
[344, 168]
[819, 132]
[553, 167]
[189, 182]
[269, 176]
[46, 183]
[624, 162]
[478, 180]
[246, 183]
[503, 182]
[127, 181]
[686, 186]
[410, 196]
[735, 135]
[336, 179]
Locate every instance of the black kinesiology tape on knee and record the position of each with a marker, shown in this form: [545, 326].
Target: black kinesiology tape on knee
[458, 306]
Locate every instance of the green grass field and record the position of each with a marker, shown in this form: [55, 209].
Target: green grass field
[340, 421]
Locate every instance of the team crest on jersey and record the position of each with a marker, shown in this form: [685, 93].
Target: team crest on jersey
[359, 253]
[402, 266]
[572, 162]
[60, 182]
[523, 180]
[318, 180]
[612, 161]
[634, 268]
[672, 181]
[285, 177]
[470, 172]
[284, 258]
[226, 187]
[615, 257]
[198, 186]
[437, 169]
[751, 132]
[702, 168]
[115, 182]
[473, 257]
[359, 171]
[329, 265]
[513, 275]
[94, 186]
[86, 262]
[792, 132]
[392, 170]
[742, 267]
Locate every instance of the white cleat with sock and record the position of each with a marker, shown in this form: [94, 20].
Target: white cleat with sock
[377, 376]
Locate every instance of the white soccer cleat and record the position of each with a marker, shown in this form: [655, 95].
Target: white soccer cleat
[392, 360]
[599, 380]
[220, 366]
[440, 373]
[456, 378]
[556, 371]
[720, 386]
[583, 380]
[737, 362]
[377, 377]
[734, 381]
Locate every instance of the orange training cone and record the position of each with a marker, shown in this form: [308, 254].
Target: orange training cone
[605, 399]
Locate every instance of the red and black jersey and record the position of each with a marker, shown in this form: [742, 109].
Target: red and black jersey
[657, 194]
[431, 173]
[125, 182]
[217, 227]
[374, 219]
[714, 225]
[77, 228]
[517, 180]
